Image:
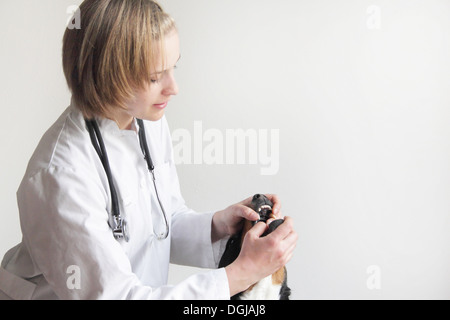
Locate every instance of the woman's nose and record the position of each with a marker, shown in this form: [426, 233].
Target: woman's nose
[170, 85]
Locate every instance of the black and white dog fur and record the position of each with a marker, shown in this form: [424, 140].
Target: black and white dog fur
[273, 287]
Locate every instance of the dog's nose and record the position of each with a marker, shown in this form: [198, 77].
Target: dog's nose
[256, 196]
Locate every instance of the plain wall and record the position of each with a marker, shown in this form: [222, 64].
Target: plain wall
[358, 92]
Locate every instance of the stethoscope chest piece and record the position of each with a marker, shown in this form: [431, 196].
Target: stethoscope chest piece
[119, 227]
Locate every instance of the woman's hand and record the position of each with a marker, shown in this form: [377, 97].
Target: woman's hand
[230, 220]
[261, 257]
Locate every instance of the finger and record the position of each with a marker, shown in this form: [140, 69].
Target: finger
[276, 203]
[247, 202]
[258, 229]
[289, 252]
[289, 257]
[291, 241]
[269, 221]
[279, 215]
[247, 213]
[291, 249]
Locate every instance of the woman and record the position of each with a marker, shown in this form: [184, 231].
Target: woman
[119, 68]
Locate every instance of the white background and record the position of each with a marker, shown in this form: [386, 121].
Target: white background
[359, 91]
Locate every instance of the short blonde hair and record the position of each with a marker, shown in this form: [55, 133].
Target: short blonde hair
[114, 52]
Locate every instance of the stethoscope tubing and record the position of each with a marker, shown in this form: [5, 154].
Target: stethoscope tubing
[116, 222]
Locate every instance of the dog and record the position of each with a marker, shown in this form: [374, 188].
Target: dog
[273, 287]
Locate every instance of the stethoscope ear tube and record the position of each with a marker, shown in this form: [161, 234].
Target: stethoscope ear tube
[144, 145]
[151, 168]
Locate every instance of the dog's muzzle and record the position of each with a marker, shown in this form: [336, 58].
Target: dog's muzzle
[263, 206]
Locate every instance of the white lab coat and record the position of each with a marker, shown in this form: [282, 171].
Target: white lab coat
[68, 250]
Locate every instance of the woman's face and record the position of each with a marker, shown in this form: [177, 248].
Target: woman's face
[150, 103]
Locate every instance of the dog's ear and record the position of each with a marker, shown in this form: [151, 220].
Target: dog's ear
[285, 291]
[272, 226]
[232, 250]
[275, 224]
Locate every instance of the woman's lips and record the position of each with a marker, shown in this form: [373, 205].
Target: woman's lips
[161, 105]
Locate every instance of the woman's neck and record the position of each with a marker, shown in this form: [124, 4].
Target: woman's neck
[123, 120]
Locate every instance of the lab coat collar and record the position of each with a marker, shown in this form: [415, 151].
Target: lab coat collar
[111, 126]
[108, 125]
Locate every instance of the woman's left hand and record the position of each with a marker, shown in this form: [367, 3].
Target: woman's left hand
[230, 220]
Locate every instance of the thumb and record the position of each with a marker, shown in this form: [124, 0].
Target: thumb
[250, 214]
[258, 229]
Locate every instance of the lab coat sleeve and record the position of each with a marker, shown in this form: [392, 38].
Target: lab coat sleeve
[191, 240]
[64, 224]
[191, 232]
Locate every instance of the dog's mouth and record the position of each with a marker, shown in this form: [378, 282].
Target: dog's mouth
[263, 206]
[265, 213]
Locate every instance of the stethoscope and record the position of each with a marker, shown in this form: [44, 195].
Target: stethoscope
[116, 222]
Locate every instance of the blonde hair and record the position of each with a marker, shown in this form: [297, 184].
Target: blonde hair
[114, 52]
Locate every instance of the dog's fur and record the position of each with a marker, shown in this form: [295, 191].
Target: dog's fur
[274, 287]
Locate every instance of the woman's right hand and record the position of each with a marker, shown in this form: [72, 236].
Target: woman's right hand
[261, 257]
